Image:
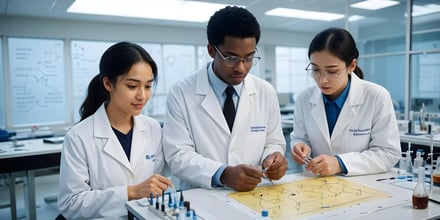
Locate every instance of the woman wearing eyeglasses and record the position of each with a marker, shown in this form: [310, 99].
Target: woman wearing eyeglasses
[204, 144]
[343, 124]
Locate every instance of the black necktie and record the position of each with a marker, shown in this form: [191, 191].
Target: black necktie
[229, 107]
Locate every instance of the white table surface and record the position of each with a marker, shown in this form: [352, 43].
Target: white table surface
[213, 204]
[15, 157]
[30, 147]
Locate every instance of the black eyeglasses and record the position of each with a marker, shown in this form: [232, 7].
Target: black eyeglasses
[232, 61]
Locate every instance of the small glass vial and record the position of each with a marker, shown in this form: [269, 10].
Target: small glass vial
[420, 196]
[418, 162]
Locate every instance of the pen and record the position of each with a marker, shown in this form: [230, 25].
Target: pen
[264, 174]
[307, 160]
[382, 179]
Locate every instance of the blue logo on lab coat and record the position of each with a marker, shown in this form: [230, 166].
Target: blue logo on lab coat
[151, 157]
[258, 128]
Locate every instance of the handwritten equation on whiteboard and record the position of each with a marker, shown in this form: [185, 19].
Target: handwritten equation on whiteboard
[37, 81]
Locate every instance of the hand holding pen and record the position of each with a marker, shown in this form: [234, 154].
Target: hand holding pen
[274, 166]
[264, 174]
[243, 177]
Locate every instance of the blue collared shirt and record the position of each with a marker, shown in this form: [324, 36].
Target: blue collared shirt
[218, 86]
[332, 110]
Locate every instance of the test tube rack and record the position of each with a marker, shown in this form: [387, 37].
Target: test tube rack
[171, 209]
[165, 215]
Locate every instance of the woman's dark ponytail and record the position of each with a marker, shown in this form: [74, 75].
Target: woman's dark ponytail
[96, 95]
[359, 72]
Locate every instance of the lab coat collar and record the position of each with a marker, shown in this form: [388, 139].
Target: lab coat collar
[348, 111]
[318, 113]
[356, 93]
[112, 146]
[218, 85]
[138, 143]
[213, 108]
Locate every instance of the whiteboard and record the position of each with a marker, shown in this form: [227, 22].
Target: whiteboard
[429, 77]
[179, 61]
[86, 56]
[2, 94]
[155, 104]
[155, 51]
[37, 82]
[203, 57]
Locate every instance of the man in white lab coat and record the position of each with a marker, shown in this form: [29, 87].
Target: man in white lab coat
[201, 147]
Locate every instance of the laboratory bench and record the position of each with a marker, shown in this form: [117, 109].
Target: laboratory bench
[216, 203]
[421, 142]
[28, 159]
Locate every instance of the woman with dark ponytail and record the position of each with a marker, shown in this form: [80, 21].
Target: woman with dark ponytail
[343, 124]
[114, 154]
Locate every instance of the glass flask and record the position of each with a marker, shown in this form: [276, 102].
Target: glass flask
[420, 195]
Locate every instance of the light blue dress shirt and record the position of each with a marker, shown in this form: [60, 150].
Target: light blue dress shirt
[218, 86]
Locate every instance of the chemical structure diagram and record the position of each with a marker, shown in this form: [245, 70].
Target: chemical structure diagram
[302, 198]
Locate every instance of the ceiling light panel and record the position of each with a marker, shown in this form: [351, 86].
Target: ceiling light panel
[419, 10]
[154, 9]
[302, 14]
[374, 4]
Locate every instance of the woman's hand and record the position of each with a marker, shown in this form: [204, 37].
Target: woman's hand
[155, 184]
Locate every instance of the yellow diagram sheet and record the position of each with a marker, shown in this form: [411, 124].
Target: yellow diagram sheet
[310, 196]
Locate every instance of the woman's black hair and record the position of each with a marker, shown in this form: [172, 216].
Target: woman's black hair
[338, 42]
[117, 60]
[232, 21]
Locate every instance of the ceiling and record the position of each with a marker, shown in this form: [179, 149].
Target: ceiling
[56, 9]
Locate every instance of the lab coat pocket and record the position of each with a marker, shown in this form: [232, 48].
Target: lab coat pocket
[149, 162]
[257, 133]
[149, 159]
[359, 137]
[257, 138]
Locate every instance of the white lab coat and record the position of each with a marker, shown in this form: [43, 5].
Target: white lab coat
[196, 137]
[365, 136]
[95, 171]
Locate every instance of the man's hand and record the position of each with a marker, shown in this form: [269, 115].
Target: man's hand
[241, 177]
[276, 165]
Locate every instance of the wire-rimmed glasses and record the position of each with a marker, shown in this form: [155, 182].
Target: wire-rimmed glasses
[232, 61]
[317, 73]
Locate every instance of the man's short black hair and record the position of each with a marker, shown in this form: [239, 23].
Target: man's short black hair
[232, 21]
